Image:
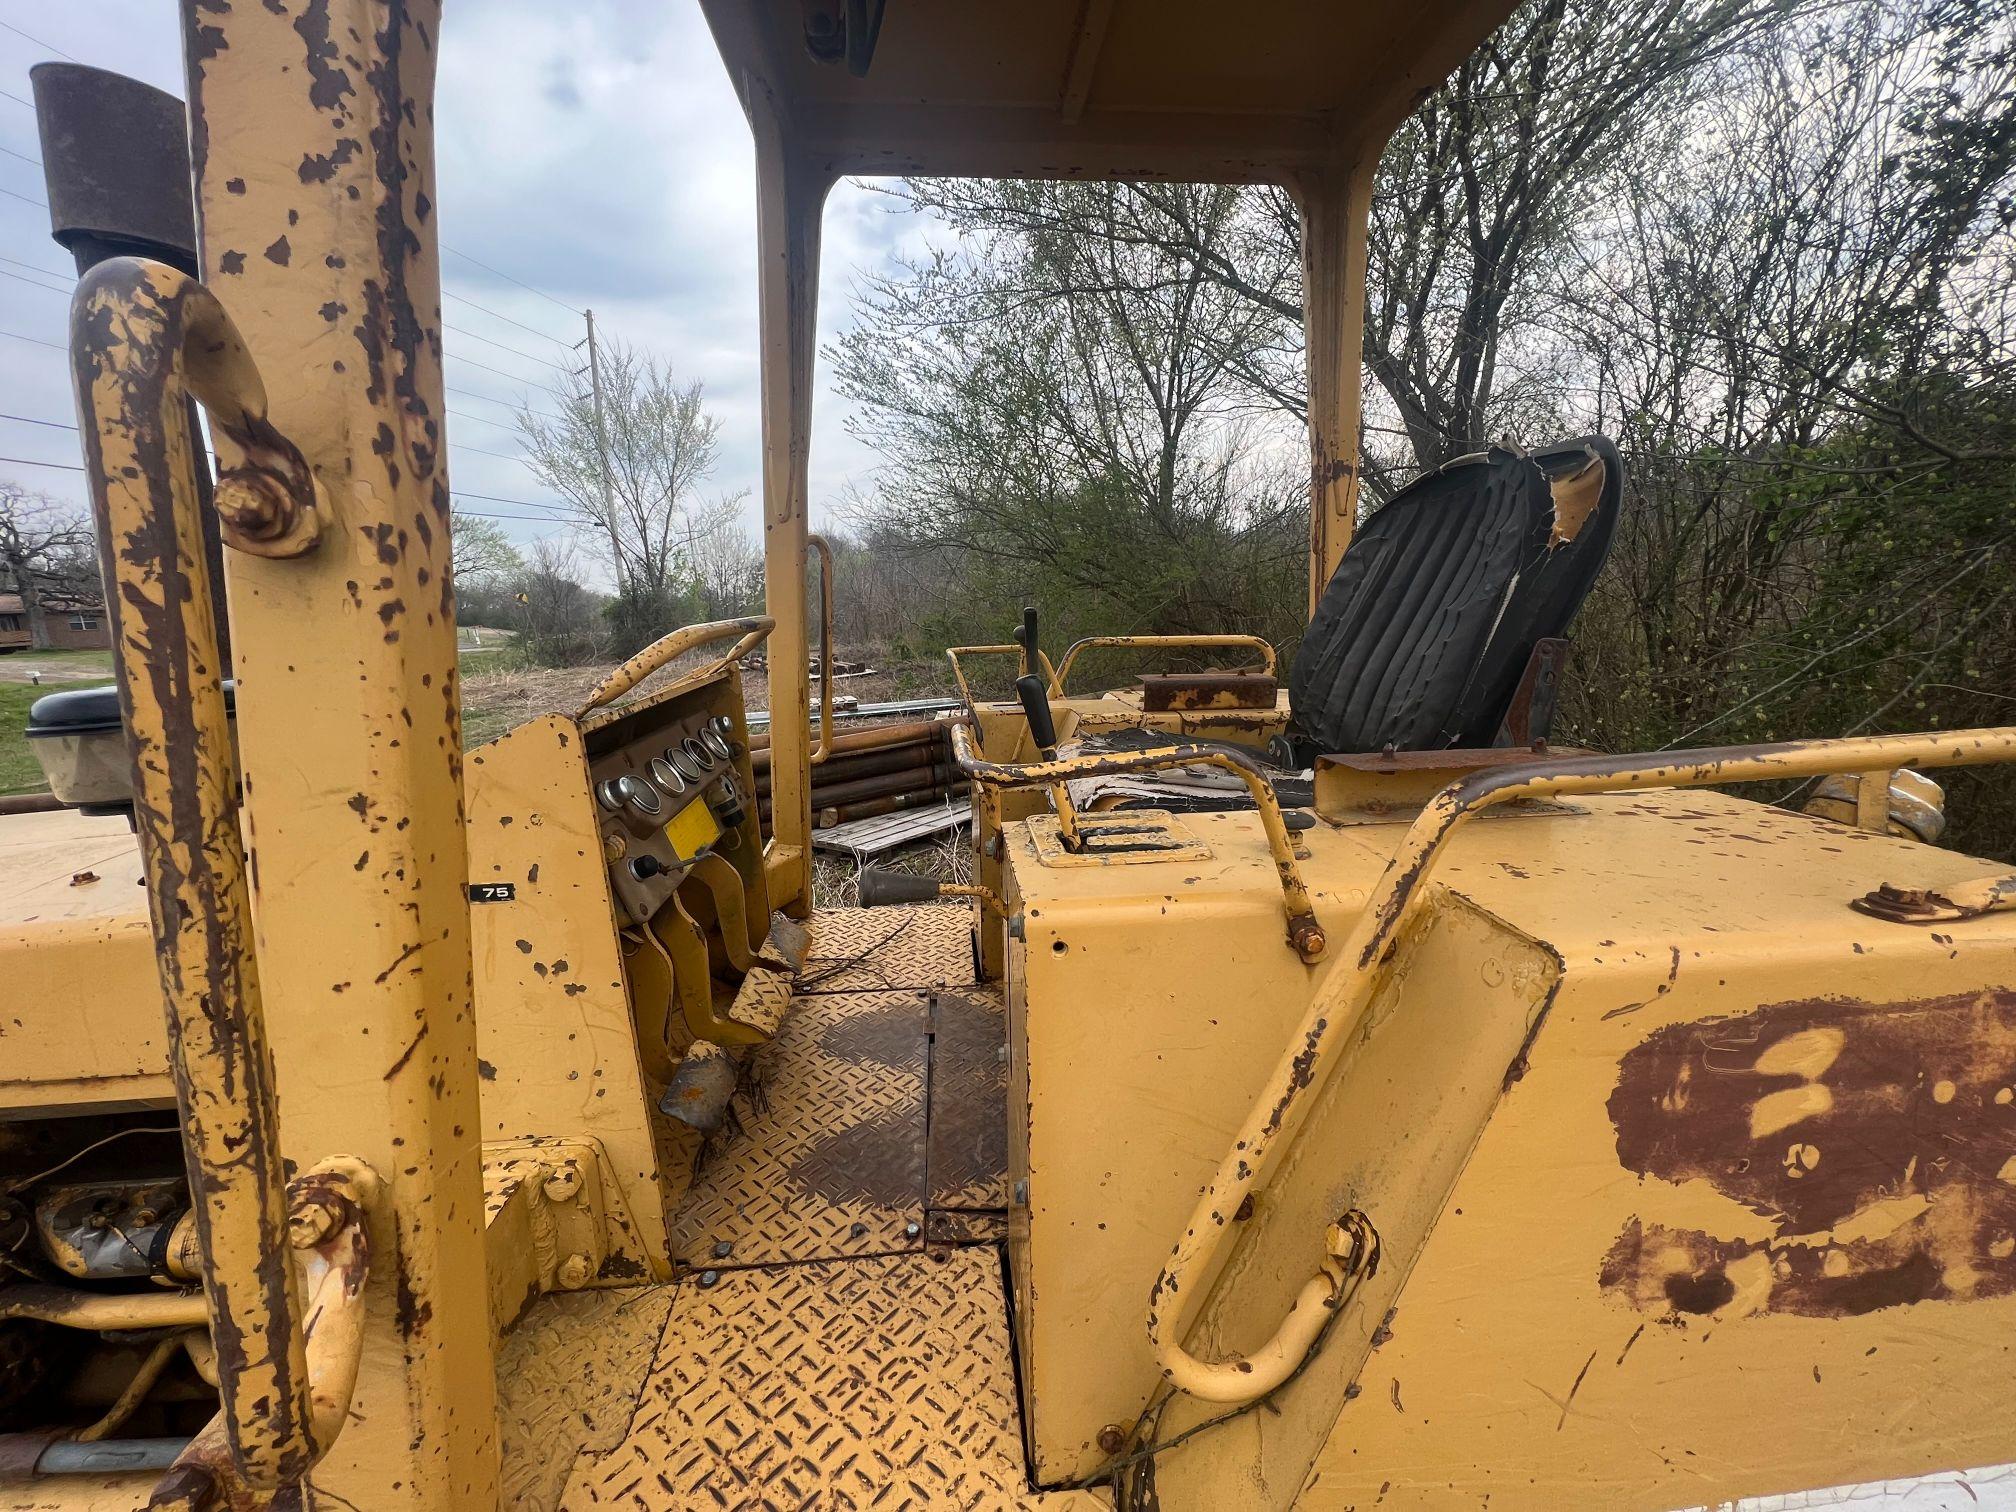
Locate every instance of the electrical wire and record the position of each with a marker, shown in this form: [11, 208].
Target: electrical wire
[509, 279]
[31, 420]
[37, 41]
[34, 283]
[37, 340]
[18, 1184]
[25, 198]
[495, 315]
[502, 347]
[17, 99]
[21, 155]
[31, 462]
[37, 267]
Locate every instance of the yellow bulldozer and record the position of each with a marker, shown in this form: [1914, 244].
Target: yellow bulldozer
[1328, 1094]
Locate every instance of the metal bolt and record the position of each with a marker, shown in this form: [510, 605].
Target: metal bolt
[575, 1271]
[709, 1277]
[563, 1185]
[723, 1249]
[1021, 1193]
[309, 1224]
[1112, 1438]
[912, 1230]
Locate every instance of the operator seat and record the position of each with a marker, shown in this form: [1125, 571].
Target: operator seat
[1423, 637]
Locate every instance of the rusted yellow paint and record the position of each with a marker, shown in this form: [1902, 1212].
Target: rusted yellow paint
[312, 135]
[143, 337]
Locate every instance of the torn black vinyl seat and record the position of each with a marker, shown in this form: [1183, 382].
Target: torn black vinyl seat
[1439, 622]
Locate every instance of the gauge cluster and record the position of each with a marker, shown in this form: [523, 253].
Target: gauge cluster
[668, 799]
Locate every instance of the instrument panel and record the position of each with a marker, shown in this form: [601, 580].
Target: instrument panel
[667, 799]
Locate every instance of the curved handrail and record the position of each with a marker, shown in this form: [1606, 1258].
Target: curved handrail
[953, 653]
[144, 337]
[1337, 1009]
[1268, 660]
[1304, 933]
[329, 1239]
[825, 747]
[753, 629]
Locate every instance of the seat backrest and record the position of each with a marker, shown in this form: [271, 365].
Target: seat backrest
[1421, 635]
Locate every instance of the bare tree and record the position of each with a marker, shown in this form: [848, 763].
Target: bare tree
[727, 570]
[635, 473]
[45, 547]
[484, 555]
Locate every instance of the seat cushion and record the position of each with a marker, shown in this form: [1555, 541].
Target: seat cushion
[1420, 637]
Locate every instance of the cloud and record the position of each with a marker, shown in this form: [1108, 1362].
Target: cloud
[594, 151]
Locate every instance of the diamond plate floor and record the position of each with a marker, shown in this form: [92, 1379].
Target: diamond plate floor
[829, 1156]
[885, 949]
[881, 1382]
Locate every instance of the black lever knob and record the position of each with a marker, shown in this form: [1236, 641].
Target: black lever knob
[1036, 708]
[1026, 638]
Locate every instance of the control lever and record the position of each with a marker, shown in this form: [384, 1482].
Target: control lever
[1036, 708]
[1043, 733]
[880, 889]
[1026, 639]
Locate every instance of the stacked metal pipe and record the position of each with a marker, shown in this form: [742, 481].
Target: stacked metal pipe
[874, 771]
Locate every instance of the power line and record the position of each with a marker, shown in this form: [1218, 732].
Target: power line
[30, 199]
[38, 268]
[18, 100]
[502, 347]
[36, 283]
[509, 279]
[38, 41]
[478, 419]
[31, 420]
[502, 374]
[53, 346]
[31, 462]
[494, 315]
[21, 155]
[492, 399]
[523, 503]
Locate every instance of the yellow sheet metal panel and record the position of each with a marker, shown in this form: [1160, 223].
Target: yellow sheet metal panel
[1147, 1003]
[1680, 1085]
[1105, 88]
[82, 1016]
[555, 1037]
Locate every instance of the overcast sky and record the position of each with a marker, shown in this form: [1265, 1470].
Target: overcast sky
[593, 150]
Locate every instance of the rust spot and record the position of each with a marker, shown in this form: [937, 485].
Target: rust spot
[1876, 1142]
[279, 252]
[231, 262]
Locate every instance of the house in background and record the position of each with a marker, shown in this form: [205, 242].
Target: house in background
[74, 623]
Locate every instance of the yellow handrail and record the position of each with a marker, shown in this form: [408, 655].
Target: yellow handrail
[1337, 1008]
[753, 630]
[142, 337]
[1251, 642]
[953, 653]
[825, 747]
[1304, 933]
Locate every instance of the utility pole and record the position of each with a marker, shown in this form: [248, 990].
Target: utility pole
[602, 448]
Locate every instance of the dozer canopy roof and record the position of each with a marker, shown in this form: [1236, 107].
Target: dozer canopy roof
[1185, 89]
